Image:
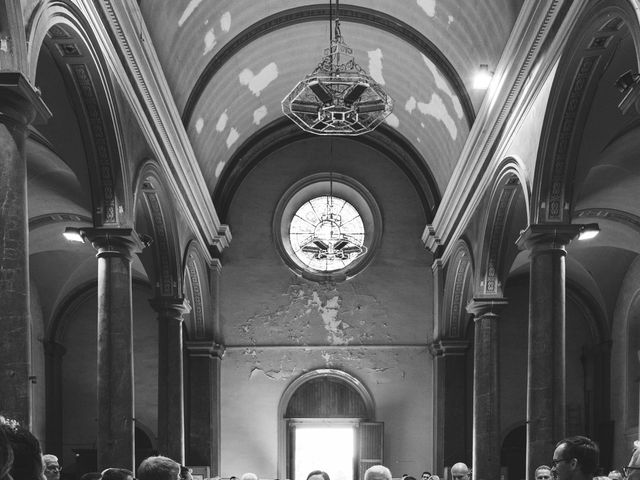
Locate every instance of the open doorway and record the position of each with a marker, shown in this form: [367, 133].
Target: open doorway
[324, 447]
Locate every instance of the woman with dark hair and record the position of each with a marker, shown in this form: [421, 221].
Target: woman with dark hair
[27, 455]
[319, 475]
[6, 456]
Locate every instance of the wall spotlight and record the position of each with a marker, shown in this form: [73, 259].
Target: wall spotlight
[482, 78]
[627, 83]
[73, 234]
[588, 230]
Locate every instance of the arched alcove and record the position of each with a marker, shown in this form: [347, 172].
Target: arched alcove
[328, 404]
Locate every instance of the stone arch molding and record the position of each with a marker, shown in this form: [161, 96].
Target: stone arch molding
[196, 287]
[352, 381]
[459, 278]
[585, 58]
[493, 265]
[152, 196]
[76, 45]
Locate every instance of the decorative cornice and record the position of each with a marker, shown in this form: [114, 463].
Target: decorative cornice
[139, 74]
[611, 214]
[535, 42]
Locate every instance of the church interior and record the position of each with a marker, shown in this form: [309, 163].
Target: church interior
[171, 277]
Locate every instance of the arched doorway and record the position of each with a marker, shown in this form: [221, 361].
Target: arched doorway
[513, 454]
[326, 417]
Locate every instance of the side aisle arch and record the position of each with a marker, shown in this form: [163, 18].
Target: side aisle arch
[74, 45]
[457, 291]
[586, 56]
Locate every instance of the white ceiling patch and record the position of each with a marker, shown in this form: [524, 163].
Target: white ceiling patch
[393, 120]
[199, 125]
[437, 109]
[209, 41]
[259, 114]
[233, 136]
[222, 121]
[375, 65]
[443, 85]
[260, 81]
[410, 106]
[225, 21]
[429, 6]
[219, 168]
[193, 4]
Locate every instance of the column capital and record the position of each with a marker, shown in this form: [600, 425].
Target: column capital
[204, 348]
[122, 242]
[448, 347]
[20, 102]
[173, 307]
[481, 307]
[547, 236]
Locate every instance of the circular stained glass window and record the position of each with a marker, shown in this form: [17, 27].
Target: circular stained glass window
[327, 233]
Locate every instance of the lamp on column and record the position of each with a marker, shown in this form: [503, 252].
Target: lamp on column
[627, 83]
[588, 230]
[338, 97]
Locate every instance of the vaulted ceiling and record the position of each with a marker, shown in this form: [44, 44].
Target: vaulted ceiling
[230, 63]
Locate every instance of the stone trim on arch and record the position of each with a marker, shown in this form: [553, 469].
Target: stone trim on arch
[490, 269]
[199, 273]
[291, 389]
[77, 51]
[457, 290]
[584, 60]
[152, 195]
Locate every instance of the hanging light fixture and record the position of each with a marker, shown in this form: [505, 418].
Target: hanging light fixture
[338, 97]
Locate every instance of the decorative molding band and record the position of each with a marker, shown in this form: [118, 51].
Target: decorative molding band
[309, 13]
[154, 105]
[53, 218]
[528, 46]
[196, 296]
[167, 284]
[612, 214]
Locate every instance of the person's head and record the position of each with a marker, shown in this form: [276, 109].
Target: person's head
[377, 472]
[233, 477]
[318, 475]
[543, 472]
[426, 475]
[632, 471]
[52, 467]
[185, 473]
[460, 471]
[435, 477]
[158, 468]
[27, 455]
[117, 474]
[575, 457]
[249, 476]
[615, 475]
[91, 476]
[6, 456]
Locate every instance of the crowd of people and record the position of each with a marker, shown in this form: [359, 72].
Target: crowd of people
[21, 458]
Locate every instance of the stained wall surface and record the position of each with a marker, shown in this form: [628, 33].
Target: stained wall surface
[278, 325]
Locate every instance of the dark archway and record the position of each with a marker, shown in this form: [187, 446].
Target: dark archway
[513, 453]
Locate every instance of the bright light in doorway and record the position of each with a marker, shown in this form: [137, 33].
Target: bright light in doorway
[325, 448]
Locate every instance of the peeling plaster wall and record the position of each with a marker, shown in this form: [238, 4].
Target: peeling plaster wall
[281, 325]
[254, 379]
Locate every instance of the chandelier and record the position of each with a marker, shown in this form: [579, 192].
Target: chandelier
[338, 97]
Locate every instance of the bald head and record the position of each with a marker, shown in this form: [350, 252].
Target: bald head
[460, 471]
[249, 476]
[377, 472]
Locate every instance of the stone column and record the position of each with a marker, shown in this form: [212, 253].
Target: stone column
[170, 376]
[54, 352]
[19, 105]
[486, 411]
[546, 376]
[450, 408]
[115, 345]
[204, 403]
